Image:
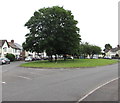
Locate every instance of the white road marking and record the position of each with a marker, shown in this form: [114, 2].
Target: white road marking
[2, 82]
[81, 99]
[24, 77]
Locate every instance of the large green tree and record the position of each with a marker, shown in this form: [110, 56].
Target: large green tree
[54, 30]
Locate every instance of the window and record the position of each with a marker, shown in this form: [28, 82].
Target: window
[5, 49]
[15, 50]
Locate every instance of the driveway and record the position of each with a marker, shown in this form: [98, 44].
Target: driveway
[30, 84]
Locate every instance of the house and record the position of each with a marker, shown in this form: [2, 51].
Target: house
[3, 48]
[113, 53]
[10, 47]
[34, 54]
[14, 48]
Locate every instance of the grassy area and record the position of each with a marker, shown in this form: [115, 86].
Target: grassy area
[70, 63]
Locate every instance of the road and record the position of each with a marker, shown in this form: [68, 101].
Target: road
[30, 84]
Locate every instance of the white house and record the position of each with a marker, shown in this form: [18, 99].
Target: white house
[14, 49]
[9, 47]
[35, 55]
[17, 50]
[3, 48]
[113, 52]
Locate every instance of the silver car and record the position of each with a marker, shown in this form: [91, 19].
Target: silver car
[28, 59]
[2, 61]
[5, 60]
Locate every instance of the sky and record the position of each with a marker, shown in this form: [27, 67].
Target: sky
[97, 19]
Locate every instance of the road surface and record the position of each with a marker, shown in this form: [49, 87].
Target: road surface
[30, 84]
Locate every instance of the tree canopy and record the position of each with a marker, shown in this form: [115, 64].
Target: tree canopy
[86, 49]
[108, 46]
[54, 30]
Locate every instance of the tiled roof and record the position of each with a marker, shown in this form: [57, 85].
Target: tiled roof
[12, 45]
[19, 46]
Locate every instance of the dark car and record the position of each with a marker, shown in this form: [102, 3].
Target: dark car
[7, 61]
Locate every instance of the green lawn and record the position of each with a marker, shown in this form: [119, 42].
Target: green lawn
[70, 63]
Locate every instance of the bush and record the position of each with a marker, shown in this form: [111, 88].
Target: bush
[11, 57]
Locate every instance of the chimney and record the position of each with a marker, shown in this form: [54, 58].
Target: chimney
[12, 41]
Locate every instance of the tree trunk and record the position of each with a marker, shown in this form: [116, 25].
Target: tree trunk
[92, 56]
[65, 57]
[55, 58]
[50, 58]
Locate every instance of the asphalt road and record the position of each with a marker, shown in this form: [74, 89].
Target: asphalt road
[107, 92]
[29, 84]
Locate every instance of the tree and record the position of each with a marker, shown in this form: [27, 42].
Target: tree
[53, 30]
[10, 56]
[85, 49]
[108, 47]
[88, 49]
[95, 50]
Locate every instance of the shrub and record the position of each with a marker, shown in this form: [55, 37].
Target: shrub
[10, 56]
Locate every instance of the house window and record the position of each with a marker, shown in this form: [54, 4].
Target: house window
[5, 49]
[15, 50]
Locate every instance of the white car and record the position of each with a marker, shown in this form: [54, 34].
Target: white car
[28, 59]
[107, 57]
[70, 57]
[95, 57]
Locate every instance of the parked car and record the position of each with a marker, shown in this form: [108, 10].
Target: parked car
[2, 60]
[45, 58]
[107, 57]
[70, 57]
[94, 57]
[36, 58]
[27, 59]
[5, 60]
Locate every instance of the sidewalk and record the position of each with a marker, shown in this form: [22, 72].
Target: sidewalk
[108, 92]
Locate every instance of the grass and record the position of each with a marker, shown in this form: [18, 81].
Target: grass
[69, 63]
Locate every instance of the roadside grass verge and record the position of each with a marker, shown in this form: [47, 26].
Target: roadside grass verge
[76, 63]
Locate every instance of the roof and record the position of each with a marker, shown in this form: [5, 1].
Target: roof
[2, 42]
[13, 45]
[106, 50]
[115, 49]
[19, 46]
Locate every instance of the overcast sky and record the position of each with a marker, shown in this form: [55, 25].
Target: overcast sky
[98, 19]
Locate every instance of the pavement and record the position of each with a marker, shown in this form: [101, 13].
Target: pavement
[30, 84]
[108, 92]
